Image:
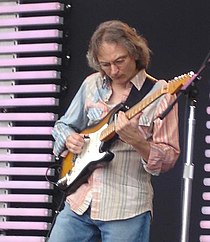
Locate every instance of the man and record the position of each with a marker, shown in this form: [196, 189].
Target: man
[115, 203]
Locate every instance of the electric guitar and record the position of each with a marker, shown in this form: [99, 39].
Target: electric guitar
[77, 168]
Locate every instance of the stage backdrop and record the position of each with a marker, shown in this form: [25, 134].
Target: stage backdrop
[178, 33]
[179, 36]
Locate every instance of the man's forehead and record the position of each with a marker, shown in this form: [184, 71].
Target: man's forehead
[111, 51]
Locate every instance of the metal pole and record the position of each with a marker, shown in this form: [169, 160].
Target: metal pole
[188, 176]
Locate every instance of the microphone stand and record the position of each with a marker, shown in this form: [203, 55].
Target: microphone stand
[188, 171]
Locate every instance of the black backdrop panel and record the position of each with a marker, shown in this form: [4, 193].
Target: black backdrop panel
[178, 33]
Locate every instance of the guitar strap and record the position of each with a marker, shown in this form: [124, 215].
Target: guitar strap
[136, 95]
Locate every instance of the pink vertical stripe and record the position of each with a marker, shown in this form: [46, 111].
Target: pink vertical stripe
[26, 144]
[30, 75]
[30, 61]
[31, 34]
[42, 88]
[204, 238]
[22, 239]
[41, 212]
[26, 157]
[24, 102]
[31, 21]
[24, 225]
[25, 185]
[205, 224]
[28, 198]
[206, 196]
[25, 130]
[36, 7]
[28, 116]
[26, 171]
[22, 48]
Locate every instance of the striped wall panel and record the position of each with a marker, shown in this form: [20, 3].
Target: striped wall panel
[205, 208]
[30, 76]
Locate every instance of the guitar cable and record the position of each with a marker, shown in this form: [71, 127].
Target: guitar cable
[57, 211]
[54, 166]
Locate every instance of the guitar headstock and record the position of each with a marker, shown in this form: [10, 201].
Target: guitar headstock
[176, 84]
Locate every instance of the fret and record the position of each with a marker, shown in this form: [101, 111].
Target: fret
[105, 134]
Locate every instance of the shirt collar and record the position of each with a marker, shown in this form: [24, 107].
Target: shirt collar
[137, 80]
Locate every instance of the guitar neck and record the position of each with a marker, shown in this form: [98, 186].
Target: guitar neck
[137, 108]
[109, 132]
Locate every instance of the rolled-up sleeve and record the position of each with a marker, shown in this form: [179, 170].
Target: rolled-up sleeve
[164, 145]
[73, 120]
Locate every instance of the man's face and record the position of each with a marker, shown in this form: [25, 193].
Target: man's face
[116, 62]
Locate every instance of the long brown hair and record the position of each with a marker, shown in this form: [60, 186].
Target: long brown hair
[115, 31]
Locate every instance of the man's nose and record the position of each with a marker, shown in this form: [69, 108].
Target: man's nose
[113, 68]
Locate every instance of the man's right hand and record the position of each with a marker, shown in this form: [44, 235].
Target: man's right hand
[75, 143]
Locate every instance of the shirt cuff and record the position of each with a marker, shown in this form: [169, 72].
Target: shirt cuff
[154, 173]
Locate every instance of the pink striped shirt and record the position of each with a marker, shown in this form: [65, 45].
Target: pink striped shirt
[122, 189]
